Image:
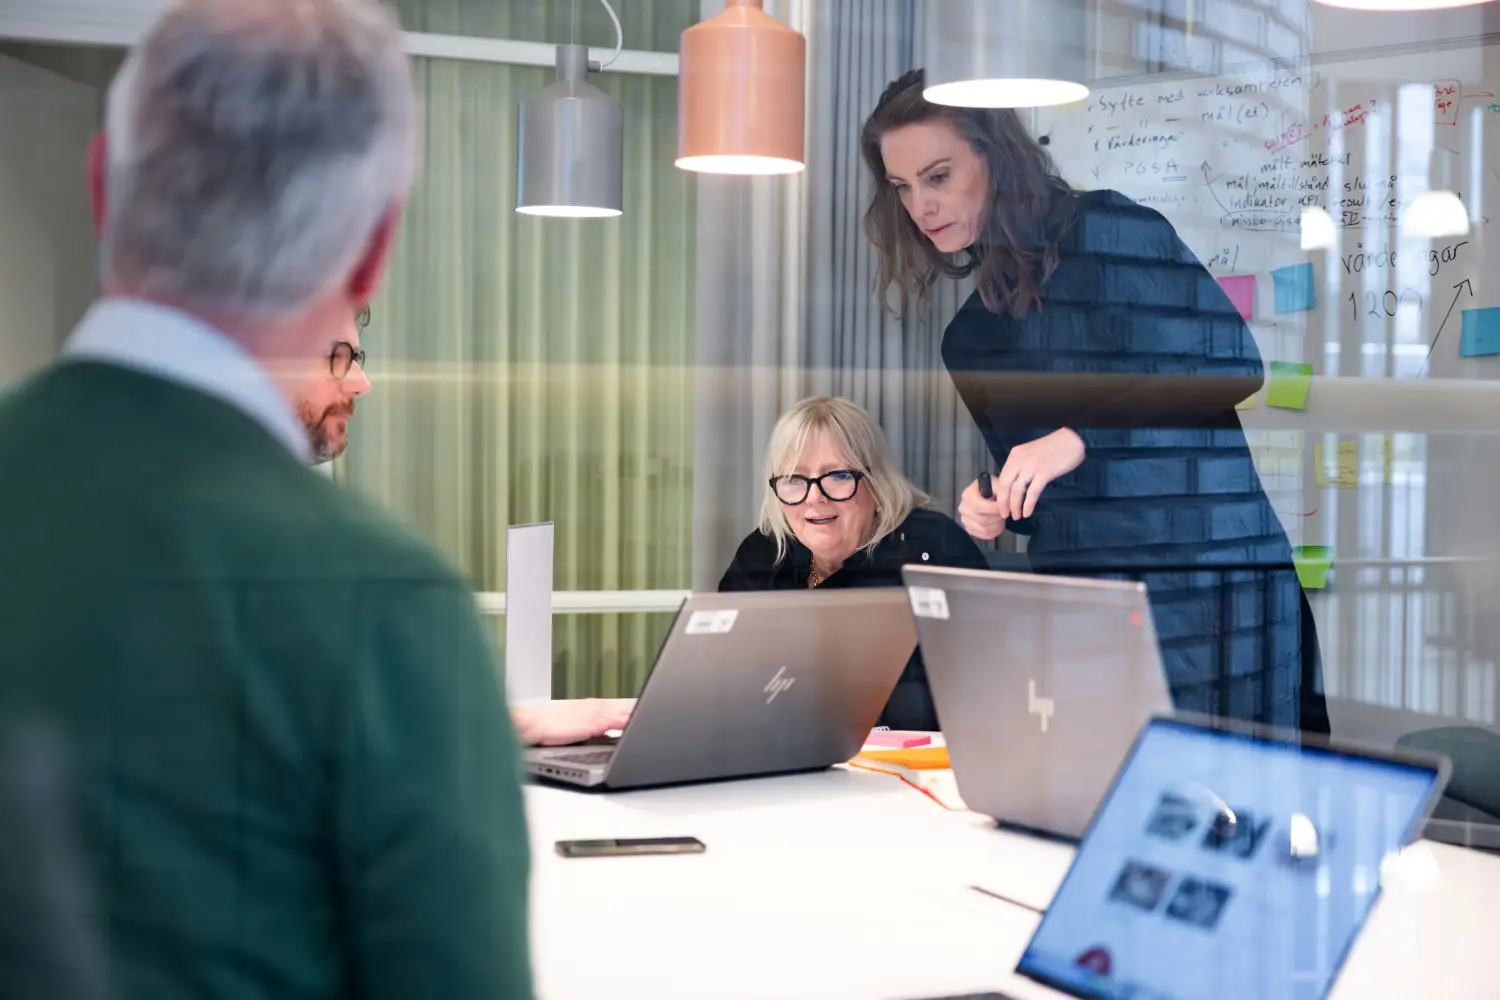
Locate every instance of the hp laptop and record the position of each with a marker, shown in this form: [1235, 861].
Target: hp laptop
[1228, 861]
[1040, 683]
[750, 684]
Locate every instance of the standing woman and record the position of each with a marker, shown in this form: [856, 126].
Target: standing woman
[1102, 363]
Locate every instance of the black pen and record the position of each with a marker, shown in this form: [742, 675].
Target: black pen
[985, 489]
[1007, 899]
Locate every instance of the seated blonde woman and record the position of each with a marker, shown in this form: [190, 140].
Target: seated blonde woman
[838, 513]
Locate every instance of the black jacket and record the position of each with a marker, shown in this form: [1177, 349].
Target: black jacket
[926, 536]
[1137, 348]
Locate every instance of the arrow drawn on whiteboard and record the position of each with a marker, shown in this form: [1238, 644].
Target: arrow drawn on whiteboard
[1317, 80]
[1208, 181]
[1459, 289]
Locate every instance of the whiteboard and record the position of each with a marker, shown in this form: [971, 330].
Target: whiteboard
[1232, 161]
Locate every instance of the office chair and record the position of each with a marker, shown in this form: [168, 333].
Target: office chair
[1475, 753]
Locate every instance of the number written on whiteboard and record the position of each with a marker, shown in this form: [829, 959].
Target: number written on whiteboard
[1383, 305]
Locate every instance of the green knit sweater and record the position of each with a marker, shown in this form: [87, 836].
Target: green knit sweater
[296, 777]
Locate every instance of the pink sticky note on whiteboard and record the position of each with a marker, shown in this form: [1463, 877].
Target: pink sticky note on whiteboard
[898, 739]
[1241, 291]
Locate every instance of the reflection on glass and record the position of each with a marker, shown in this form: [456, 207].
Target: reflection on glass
[1435, 214]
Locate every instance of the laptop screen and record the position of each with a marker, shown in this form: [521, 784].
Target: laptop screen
[1226, 865]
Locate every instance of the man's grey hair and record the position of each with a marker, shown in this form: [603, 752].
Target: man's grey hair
[254, 146]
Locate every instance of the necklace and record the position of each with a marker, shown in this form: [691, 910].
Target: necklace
[815, 577]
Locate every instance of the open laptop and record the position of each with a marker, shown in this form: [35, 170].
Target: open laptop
[1227, 861]
[750, 684]
[1040, 683]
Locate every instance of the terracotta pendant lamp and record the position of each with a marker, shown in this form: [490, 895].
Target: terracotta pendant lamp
[740, 94]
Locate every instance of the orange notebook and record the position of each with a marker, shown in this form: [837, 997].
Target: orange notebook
[916, 758]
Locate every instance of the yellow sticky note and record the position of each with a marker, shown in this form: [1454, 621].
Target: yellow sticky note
[1288, 385]
[1313, 563]
[1343, 474]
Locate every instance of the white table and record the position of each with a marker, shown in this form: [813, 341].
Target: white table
[851, 884]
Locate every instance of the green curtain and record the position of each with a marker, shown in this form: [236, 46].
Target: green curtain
[531, 369]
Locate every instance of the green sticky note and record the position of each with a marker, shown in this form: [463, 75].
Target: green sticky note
[1289, 384]
[1313, 563]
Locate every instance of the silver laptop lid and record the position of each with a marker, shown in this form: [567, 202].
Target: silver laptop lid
[765, 683]
[1040, 684]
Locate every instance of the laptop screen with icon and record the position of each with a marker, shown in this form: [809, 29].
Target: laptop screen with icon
[1227, 864]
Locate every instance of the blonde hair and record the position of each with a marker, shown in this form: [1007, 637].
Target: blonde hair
[855, 435]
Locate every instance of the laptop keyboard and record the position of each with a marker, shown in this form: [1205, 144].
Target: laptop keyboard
[590, 757]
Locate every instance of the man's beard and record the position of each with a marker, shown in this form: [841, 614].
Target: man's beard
[326, 440]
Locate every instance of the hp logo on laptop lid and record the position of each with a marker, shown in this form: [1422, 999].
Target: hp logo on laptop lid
[1040, 707]
[778, 684]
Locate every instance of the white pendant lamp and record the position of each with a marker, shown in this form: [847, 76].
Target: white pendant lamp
[1438, 212]
[1005, 53]
[570, 158]
[1318, 230]
[741, 82]
[1437, 215]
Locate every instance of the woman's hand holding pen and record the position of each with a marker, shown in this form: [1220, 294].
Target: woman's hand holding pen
[1029, 468]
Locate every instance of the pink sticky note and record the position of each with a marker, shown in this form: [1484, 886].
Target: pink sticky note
[1241, 291]
[897, 739]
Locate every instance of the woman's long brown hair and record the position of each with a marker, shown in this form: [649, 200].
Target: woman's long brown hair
[1030, 208]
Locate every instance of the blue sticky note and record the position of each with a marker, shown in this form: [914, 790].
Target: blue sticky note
[1481, 333]
[1294, 288]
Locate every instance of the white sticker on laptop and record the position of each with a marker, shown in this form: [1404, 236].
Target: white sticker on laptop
[711, 622]
[928, 602]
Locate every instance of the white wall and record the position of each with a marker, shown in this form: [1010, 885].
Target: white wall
[1141, 37]
[47, 261]
[1338, 30]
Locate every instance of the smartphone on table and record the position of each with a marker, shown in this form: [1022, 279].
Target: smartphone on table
[624, 846]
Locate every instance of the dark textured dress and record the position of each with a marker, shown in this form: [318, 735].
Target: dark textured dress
[926, 536]
[1137, 349]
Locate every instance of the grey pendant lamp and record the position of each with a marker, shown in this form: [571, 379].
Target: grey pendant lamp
[1005, 53]
[570, 142]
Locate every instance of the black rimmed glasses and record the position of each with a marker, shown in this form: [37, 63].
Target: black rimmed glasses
[838, 486]
[343, 359]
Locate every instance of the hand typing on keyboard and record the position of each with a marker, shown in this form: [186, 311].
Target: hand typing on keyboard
[559, 723]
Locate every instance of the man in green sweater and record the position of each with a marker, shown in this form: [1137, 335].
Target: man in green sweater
[295, 772]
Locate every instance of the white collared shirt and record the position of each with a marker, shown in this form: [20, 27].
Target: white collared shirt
[174, 346]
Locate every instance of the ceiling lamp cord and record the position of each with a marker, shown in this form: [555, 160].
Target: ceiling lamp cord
[619, 34]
